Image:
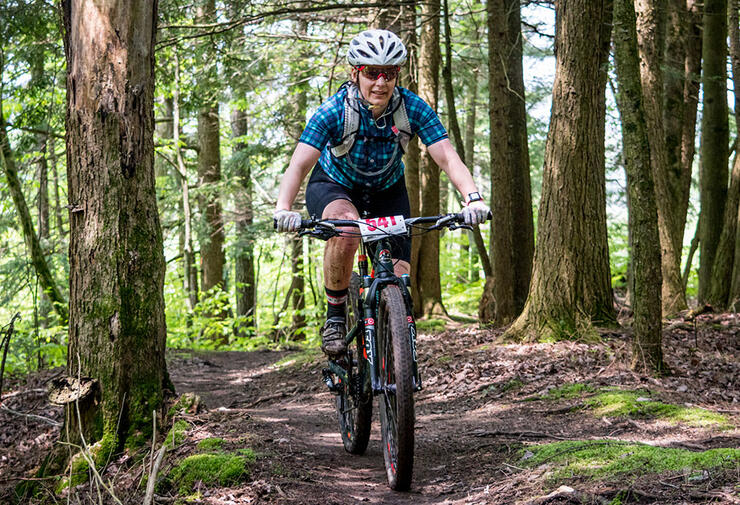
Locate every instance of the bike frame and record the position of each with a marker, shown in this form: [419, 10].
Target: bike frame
[383, 276]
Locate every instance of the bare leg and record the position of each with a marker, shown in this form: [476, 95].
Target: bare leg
[401, 267]
[339, 253]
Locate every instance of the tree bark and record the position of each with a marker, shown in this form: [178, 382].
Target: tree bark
[46, 279]
[720, 293]
[212, 256]
[502, 284]
[647, 353]
[190, 270]
[297, 118]
[521, 188]
[651, 28]
[117, 328]
[570, 287]
[412, 156]
[714, 139]
[246, 282]
[430, 291]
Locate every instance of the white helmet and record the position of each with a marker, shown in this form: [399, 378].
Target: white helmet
[376, 47]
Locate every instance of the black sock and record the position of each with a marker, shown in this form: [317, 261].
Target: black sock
[336, 303]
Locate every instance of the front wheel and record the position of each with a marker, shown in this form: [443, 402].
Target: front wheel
[355, 400]
[396, 378]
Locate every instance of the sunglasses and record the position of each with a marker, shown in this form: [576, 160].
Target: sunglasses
[374, 73]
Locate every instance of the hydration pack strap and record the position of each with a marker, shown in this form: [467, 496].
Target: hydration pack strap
[401, 125]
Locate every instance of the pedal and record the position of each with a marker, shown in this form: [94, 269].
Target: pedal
[334, 388]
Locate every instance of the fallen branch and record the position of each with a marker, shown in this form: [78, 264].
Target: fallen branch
[268, 398]
[516, 434]
[31, 416]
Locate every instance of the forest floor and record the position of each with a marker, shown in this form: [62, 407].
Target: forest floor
[484, 415]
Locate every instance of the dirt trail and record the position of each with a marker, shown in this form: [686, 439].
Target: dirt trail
[482, 405]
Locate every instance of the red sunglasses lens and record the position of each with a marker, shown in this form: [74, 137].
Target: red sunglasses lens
[374, 73]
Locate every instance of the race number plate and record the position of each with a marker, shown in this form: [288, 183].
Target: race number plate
[378, 227]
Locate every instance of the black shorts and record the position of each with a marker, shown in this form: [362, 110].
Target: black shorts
[322, 190]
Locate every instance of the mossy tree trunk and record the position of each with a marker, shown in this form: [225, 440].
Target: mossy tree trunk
[570, 287]
[714, 138]
[651, 36]
[116, 326]
[647, 354]
[427, 272]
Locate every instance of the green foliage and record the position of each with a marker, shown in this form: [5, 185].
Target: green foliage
[611, 458]
[209, 469]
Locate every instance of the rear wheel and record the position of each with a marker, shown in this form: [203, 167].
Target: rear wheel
[396, 377]
[355, 400]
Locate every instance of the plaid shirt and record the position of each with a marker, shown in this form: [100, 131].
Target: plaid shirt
[366, 165]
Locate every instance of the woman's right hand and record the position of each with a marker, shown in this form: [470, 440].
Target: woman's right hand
[286, 220]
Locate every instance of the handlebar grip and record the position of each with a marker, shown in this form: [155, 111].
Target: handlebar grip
[489, 217]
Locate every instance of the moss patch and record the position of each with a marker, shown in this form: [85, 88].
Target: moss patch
[607, 458]
[210, 444]
[568, 391]
[639, 404]
[431, 324]
[222, 469]
[176, 436]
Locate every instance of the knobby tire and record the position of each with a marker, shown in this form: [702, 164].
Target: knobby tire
[355, 401]
[396, 410]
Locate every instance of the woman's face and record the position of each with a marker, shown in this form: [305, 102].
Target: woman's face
[376, 91]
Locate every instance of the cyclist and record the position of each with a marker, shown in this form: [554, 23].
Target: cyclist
[354, 144]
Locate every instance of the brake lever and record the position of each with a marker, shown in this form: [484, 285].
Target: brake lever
[456, 226]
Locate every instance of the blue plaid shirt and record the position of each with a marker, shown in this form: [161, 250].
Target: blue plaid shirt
[364, 166]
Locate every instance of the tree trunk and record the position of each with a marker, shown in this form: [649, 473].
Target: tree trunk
[46, 279]
[647, 353]
[430, 290]
[728, 250]
[522, 220]
[246, 282]
[570, 287]
[471, 98]
[117, 326]
[501, 172]
[42, 206]
[412, 156]
[386, 17]
[651, 26]
[681, 91]
[212, 256]
[714, 138]
[297, 119]
[190, 270]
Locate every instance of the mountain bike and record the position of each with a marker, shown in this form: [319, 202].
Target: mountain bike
[380, 321]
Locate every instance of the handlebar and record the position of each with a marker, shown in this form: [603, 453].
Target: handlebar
[327, 227]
